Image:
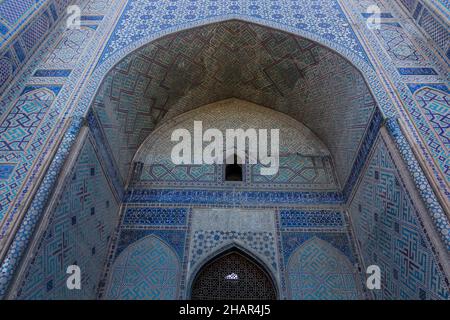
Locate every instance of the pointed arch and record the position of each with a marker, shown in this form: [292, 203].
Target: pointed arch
[188, 81]
[318, 271]
[238, 273]
[148, 269]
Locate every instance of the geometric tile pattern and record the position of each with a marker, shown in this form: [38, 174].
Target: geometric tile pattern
[311, 219]
[292, 239]
[295, 172]
[435, 210]
[155, 216]
[152, 18]
[205, 242]
[67, 51]
[231, 197]
[196, 67]
[434, 108]
[78, 232]
[22, 122]
[325, 19]
[317, 271]
[299, 172]
[41, 147]
[158, 236]
[397, 43]
[403, 46]
[434, 26]
[162, 173]
[173, 237]
[437, 31]
[345, 38]
[146, 270]
[391, 234]
[6, 170]
[20, 133]
[304, 162]
[23, 27]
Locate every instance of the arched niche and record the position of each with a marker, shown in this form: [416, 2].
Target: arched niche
[148, 269]
[305, 161]
[235, 59]
[233, 274]
[318, 271]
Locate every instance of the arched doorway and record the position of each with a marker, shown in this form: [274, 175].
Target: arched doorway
[233, 276]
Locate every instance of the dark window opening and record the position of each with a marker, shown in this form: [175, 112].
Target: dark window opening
[233, 276]
[233, 172]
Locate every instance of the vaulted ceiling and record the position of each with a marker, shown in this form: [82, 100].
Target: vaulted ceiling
[275, 69]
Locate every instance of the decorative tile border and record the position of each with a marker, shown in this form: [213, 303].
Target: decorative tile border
[231, 198]
[361, 158]
[438, 215]
[311, 219]
[145, 216]
[21, 36]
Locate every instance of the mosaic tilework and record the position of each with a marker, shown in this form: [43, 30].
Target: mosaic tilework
[13, 13]
[438, 32]
[305, 163]
[78, 233]
[435, 209]
[6, 170]
[361, 158]
[24, 25]
[165, 173]
[417, 71]
[298, 172]
[415, 124]
[231, 198]
[398, 44]
[409, 4]
[42, 147]
[18, 140]
[338, 238]
[317, 271]
[424, 13]
[394, 35]
[65, 146]
[205, 242]
[173, 237]
[295, 137]
[399, 85]
[68, 49]
[100, 140]
[146, 270]
[145, 233]
[311, 219]
[155, 216]
[435, 110]
[55, 120]
[325, 19]
[295, 173]
[62, 102]
[22, 122]
[391, 234]
[213, 70]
